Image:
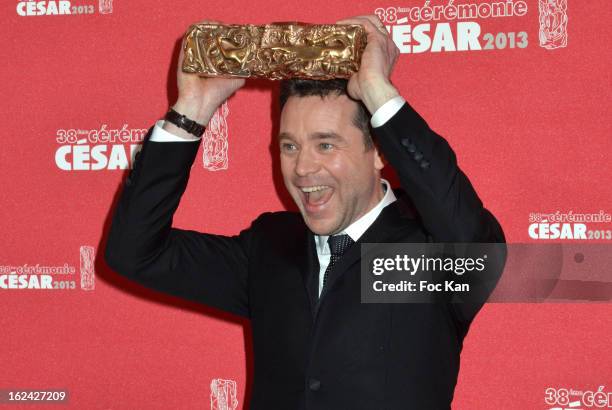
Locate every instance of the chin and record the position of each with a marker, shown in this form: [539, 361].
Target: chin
[319, 227]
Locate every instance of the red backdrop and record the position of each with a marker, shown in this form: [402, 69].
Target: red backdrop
[528, 115]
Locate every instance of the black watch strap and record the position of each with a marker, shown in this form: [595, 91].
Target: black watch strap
[185, 123]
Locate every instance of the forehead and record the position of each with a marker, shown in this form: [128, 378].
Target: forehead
[313, 113]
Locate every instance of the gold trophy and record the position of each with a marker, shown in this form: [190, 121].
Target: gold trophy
[274, 51]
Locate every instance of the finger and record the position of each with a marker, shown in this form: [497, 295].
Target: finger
[182, 50]
[367, 17]
[369, 27]
[350, 21]
[373, 28]
[392, 61]
[392, 48]
[373, 19]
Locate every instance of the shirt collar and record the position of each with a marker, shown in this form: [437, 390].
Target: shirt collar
[357, 228]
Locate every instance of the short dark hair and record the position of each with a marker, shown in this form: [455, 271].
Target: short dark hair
[322, 88]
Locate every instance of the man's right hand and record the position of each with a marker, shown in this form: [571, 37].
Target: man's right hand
[199, 97]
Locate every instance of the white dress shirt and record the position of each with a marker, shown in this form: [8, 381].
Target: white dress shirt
[354, 230]
[357, 228]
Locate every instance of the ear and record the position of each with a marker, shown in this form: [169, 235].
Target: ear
[379, 159]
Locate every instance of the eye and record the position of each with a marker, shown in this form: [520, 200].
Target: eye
[325, 146]
[288, 147]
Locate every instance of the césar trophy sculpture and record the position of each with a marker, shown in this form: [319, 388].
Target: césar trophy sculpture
[274, 51]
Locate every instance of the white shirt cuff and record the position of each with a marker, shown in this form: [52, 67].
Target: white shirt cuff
[161, 135]
[386, 111]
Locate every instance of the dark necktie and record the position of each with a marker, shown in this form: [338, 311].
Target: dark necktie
[338, 244]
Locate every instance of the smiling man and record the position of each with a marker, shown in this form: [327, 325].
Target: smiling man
[296, 276]
[330, 169]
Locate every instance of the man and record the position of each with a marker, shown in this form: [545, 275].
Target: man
[297, 276]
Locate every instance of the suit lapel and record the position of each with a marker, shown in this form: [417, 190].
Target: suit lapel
[308, 262]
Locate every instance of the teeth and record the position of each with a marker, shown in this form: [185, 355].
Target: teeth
[313, 188]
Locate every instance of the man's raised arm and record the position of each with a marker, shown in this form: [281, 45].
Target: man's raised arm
[143, 246]
[426, 165]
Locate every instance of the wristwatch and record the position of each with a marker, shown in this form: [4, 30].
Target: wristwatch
[185, 123]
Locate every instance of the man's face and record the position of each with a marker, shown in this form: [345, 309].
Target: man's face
[327, 170]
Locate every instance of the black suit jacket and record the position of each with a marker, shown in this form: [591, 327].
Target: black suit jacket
[338, 353]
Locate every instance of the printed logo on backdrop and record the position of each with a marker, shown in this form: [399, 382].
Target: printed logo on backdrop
[570, 225]
[553, 23]
[223, 395]
[215, 141]
[573, 399]
[49, 277]
[107, 148]
[63, 7]
[98, 149]
[464, 25]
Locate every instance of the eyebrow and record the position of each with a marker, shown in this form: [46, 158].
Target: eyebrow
[321, 135]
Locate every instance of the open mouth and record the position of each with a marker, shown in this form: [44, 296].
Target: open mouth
[315, 197]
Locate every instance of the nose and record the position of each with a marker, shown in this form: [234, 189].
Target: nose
[306, 163]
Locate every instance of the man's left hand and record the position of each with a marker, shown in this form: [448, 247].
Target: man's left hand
[372, 83]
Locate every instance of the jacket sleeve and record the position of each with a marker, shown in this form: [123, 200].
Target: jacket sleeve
[143, 246]
[450, 209]
[427, 168]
